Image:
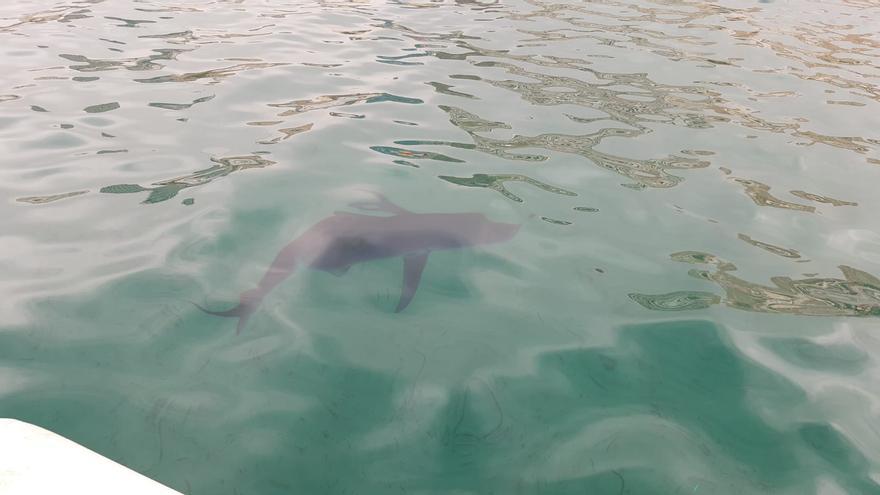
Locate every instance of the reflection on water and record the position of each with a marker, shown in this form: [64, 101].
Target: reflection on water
[101, 108]
[286, 132]
[785, 253]
[167, 189]
[215, 74]
[823, 199]
[139, 64]
[181, 106]
[496, 183]
[331, 101]
[857, 294]
[524, 367]
[760, 194]
[416, 155]
[645, 173]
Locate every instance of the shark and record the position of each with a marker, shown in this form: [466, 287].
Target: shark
[343, 239]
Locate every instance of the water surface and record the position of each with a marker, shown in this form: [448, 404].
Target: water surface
[690, 305]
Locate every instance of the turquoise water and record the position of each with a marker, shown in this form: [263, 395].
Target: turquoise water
[689, 306]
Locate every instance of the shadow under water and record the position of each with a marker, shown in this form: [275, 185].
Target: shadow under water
[670, 407]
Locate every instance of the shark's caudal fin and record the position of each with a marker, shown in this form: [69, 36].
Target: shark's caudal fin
[413, 266]
[282, 267]
[242, 312]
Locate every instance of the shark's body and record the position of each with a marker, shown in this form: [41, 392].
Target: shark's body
[339, 241]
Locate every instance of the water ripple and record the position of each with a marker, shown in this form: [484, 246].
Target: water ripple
[167, 189]
[565, 366]
[857, 294]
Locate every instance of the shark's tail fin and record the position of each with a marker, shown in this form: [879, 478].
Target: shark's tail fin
[243, 312]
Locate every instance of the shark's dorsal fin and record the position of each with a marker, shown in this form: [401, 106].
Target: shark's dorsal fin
[379, 203]
[340, 270]
[413, 265]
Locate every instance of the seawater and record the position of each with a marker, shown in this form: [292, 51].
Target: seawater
[690, 305]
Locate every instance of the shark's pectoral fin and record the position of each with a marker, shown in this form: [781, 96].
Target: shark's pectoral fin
[413, 266]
